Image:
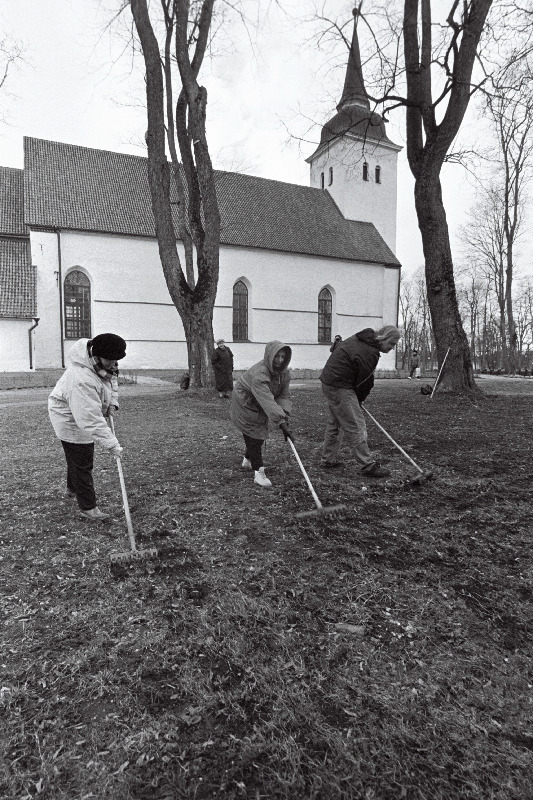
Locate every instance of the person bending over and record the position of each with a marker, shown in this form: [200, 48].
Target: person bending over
[82, 399]
[347, 379]
[261, 395]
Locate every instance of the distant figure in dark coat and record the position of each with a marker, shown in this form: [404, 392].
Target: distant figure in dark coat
[414, 365]
[337, 340]
[222, 361]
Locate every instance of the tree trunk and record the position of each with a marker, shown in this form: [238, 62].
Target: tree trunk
[458, 374]
[198, 324]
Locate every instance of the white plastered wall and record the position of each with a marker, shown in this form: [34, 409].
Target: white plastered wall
[129, 297]
[14, 345]
[357, 199]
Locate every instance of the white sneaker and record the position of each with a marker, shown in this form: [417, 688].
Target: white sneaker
[261, 479]
[246, 463]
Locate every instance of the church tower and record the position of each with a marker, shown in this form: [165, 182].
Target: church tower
[355, 161]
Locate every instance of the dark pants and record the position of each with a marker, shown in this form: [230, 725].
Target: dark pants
[80, 459]
[253, 451]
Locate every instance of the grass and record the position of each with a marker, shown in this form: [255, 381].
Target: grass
[385, 654]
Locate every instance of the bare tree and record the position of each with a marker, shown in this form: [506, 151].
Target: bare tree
[11, 52]
[434, 86]
[483, 240]
[510, 106]
[186, 28]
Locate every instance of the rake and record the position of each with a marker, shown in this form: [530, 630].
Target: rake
[133, 554]
[424, 475]
[320, 511]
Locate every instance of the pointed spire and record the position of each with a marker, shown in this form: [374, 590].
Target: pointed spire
[354, 93]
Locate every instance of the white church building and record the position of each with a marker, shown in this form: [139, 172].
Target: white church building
[78, 253]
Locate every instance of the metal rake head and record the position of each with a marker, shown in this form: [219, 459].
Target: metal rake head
[326, 512]
[133, 555]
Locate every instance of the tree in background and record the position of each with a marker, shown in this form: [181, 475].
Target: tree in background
[184, 35]
[11, 52]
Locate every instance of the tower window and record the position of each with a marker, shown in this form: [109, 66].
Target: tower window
[365, 171]
[240, 312]
[321, 180]
[324, 315]
[330, 179]
[77, 305]
[378, 174]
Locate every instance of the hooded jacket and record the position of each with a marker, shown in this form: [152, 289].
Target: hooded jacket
[262, 394]
[352, 364]
[80, 400]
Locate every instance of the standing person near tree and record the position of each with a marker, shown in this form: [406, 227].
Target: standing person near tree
[82, 399]
[222, 361]
[347, 379]
[261, 395]
[414, 365]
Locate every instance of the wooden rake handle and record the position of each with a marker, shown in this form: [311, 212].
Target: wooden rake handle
[304, 473]
[124, 494]
[382, 429]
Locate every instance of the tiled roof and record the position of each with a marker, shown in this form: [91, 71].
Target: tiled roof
[12, 202]
[78, 188]
[17, 280]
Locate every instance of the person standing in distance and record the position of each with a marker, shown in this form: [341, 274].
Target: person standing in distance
[222, 361]
[78, 407]
[347, 380]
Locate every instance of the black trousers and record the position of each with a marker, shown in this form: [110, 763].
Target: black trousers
[80, 460]
[253, 451]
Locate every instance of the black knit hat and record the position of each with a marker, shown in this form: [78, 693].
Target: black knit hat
[109, 345]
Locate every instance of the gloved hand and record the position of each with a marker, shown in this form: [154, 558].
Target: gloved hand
[116, 451]
[111, 411]
[287, 433]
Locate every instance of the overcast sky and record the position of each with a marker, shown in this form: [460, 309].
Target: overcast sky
[78, 86]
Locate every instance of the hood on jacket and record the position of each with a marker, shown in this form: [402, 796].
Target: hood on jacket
[271, 350]
[78, 354]
[368, 336]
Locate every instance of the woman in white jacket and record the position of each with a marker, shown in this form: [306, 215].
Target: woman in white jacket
[78, 406]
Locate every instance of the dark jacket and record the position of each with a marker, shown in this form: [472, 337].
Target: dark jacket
[262, 394]
[222, 361]
[352, 364]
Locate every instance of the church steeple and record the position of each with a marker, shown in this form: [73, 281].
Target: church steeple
[354, 93]
[355, 161]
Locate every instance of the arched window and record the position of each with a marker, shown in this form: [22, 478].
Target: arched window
[321, 180]
[77, 303]
[324, 315]
[240, 312]
[378, 174]
[330, 179]
[365, 171]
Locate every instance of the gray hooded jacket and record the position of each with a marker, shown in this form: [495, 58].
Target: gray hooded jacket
[262, 394]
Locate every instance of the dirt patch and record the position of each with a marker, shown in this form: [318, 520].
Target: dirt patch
[385, 653]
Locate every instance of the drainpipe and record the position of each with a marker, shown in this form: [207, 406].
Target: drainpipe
[36, 321]
[60, 278]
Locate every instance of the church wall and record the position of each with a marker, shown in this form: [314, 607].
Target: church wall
[14, 345]
[129, 297]
[357, 199]
[47, 336]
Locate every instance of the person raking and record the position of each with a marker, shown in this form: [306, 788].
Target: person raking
[82, 399]
[261, 395]
[347, 380]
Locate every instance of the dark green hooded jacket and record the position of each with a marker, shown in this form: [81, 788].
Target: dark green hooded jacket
[262, 394]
